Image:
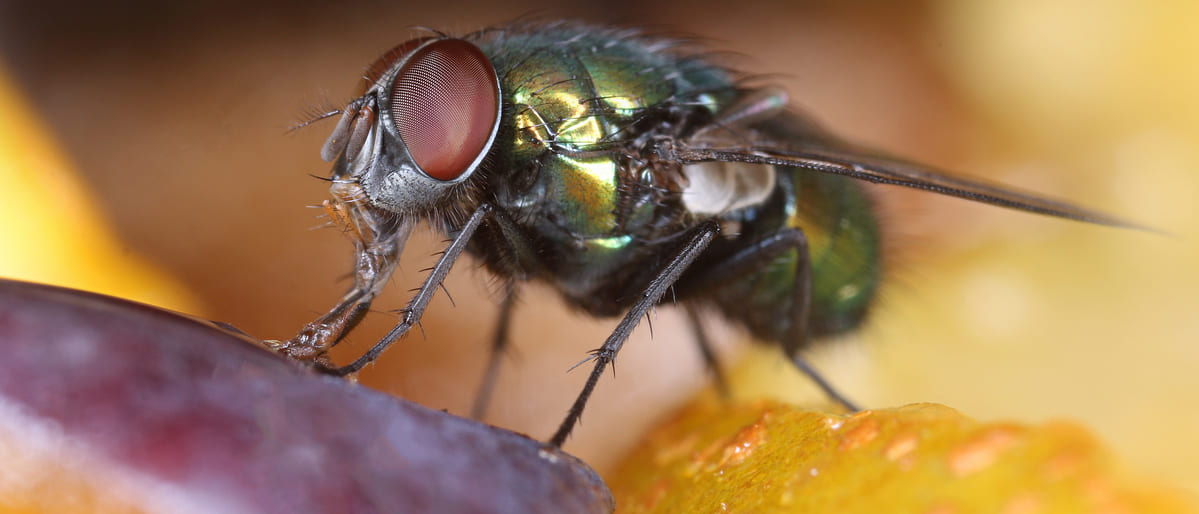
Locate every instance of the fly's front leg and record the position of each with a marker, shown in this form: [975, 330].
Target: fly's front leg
[752, 259]
[378, 241]
[699, 240]
[416, 307]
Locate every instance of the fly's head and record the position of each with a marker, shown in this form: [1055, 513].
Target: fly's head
[425, 119]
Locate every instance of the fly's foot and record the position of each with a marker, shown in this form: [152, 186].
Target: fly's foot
[323, 364]
[310, 345]
[305, 349]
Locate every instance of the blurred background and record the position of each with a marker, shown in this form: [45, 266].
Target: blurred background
[176, 172]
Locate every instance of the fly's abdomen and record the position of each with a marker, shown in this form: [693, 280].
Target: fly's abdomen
[843, 241]
[843, 245]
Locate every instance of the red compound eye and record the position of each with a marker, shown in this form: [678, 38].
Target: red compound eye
[384, 63]
[445, 102]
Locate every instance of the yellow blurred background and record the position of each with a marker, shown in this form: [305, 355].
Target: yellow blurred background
[173, 119]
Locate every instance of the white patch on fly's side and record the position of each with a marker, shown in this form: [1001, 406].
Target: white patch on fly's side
[718, 187]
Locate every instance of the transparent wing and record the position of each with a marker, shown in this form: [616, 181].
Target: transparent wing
[825, 155]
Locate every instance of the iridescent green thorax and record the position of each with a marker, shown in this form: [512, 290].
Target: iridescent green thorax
[574, 96]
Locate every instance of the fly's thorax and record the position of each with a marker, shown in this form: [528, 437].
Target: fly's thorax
[581, 102]
[595, 202]
[594, 216]
[582, 105]
[579, 86]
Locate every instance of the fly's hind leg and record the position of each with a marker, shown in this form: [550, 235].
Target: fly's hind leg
[711, 361]
[749, 260]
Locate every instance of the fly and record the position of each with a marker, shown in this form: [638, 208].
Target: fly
[617, 168]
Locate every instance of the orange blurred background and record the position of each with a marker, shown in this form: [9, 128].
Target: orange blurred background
[175, 118]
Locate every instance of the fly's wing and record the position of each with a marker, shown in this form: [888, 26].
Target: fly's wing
[793, 141]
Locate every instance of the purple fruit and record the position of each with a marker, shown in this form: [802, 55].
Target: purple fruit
[204, 420]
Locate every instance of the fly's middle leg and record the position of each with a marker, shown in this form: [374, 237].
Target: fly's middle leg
[499, 343]
[698, 241]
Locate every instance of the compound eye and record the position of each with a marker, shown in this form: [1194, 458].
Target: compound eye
[381, 65]
[445, 104]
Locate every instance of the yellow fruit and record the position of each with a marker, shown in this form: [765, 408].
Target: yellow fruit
[766, 456]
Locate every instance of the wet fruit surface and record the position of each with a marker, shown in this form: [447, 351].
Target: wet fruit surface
[769, 457]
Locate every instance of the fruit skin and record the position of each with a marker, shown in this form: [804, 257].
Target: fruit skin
[110, 406]
[764, 456]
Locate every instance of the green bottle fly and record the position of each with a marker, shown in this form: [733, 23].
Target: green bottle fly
[622, 170]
